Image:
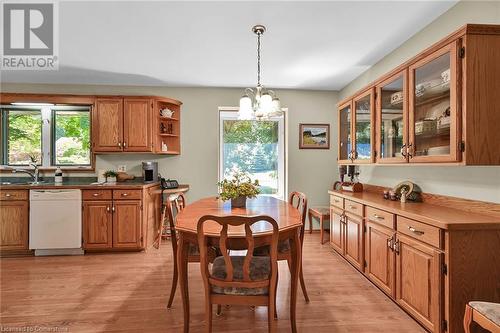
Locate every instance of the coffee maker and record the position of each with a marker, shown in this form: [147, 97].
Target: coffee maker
[150, 172]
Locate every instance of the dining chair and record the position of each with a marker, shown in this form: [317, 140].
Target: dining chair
[298, 200]
[485, 314]
[238, 279]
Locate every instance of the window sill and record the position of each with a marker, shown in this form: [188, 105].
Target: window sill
[8, 169]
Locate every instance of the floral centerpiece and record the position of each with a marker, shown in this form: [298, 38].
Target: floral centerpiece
[238, 189]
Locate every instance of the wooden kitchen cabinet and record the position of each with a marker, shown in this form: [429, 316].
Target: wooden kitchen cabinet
[337, 230]
[419, 281]
[122, 124]
[14, 216]
[107, 125]
[97, 224]
[137, 132]
[441, 106]
[380, 257]
[346, 233]
[127, 224]
[113, 223]
[353, 245]
[433, 116]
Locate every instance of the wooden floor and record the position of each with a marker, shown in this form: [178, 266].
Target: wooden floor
[128, 292]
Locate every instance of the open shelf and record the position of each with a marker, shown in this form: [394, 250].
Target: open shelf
[168, 119]
[168, 135]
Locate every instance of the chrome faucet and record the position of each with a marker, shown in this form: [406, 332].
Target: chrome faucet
[34, 175]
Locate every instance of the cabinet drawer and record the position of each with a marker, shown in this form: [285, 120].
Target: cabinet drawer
[421, 231]
[96, 195]
[127, 194]
[13, 195]
[353, 207]
[379, 216]
[337, 201]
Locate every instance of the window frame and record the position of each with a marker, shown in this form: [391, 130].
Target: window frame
[47, 137]
[231, 113]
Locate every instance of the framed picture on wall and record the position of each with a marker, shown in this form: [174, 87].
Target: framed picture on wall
[314, 136]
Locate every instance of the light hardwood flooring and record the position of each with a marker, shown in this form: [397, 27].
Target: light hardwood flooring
[127, 292]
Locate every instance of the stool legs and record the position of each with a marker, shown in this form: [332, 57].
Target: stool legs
[310, 223]
[321, 229]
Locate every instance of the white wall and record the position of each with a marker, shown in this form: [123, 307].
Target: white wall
[480, 183]
[310, 171]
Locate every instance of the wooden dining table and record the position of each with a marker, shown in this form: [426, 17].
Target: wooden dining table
[287, 217]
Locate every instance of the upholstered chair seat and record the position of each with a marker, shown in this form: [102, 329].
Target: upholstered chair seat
[487, 309]
[260, 268]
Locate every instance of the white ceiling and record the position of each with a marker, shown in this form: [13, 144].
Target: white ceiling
[308, 45]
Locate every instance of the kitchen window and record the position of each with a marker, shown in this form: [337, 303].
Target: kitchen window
[256, 147]
[50, 135]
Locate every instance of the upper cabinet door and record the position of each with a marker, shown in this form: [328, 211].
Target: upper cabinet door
[392, 119]
[345, 149]
[363, 120]
[433, 107]
[107, 125]
[137, 125]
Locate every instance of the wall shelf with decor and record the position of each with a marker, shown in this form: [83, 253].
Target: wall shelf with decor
[167, 126]
[440, 106]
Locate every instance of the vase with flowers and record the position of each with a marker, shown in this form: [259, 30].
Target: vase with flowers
[238, 189]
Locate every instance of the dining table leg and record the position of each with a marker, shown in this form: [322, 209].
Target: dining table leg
[182, 264]
[296, 260]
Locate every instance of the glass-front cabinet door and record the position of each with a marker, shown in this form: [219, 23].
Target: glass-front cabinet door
[363, 128]
[392, 119]
[433, 108]
[345, 133]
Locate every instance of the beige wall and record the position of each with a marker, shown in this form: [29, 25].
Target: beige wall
[481, 183]
[310, 171]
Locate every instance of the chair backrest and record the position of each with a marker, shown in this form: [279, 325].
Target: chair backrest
[237, 220]
[298, 200]
[174, 204]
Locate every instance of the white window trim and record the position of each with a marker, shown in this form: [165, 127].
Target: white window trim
[231, 112]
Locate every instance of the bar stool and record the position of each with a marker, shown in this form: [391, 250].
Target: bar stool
[486, 314]
[322, 213]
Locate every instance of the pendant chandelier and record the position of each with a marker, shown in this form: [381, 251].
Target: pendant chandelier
[259, 103]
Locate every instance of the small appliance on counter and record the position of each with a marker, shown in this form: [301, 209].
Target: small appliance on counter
[150, 171]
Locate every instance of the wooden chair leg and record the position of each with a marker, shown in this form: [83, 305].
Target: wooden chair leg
[174, 283]
[310, 223]
[219, 310]
[467, 318]
[303, 284]
[208, 316]
[276, 296]
[321, 230]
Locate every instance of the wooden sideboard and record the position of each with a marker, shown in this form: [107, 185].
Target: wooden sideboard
[431, 258]
[441, 106]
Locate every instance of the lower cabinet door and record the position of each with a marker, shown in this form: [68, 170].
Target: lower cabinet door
[97, 225]
[353, 249]
[14, 225]
[380, 257]
[336, 231]
[127, 223]
[419, 281]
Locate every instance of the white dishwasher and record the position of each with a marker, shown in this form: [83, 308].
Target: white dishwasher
[56, 222]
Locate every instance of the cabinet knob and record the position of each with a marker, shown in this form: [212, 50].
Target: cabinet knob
[124, 145]
[113, 208]
[107, 209]
[119, 144]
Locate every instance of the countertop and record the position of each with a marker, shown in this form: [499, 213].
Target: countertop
[74, 182]
[443, 217]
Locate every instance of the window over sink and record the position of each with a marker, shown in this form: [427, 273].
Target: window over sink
[52, 135]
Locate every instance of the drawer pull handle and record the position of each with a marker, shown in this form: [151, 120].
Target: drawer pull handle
[107, 209]
[390, 243]
[96, 194]
[415, 231]
[352, 207]
[378, 217]
[124, 194]
[335, 200]
[395, 246]
[113, 208]
[8, 195]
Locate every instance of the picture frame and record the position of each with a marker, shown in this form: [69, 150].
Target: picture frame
[314, 136]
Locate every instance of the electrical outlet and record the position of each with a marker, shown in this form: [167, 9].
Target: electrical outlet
[122, 168]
